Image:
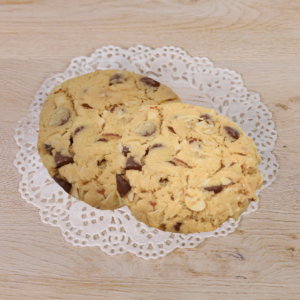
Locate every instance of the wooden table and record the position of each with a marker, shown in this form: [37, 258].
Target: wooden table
[258, 39]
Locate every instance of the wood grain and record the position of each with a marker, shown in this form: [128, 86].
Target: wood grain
[258, 39]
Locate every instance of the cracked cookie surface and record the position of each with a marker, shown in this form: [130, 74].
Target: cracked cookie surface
[183, 168]
[81, 123]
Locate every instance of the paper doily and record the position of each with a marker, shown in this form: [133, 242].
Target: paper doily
[196, 81]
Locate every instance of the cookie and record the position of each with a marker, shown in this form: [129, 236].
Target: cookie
[82, 121]
[183, 168]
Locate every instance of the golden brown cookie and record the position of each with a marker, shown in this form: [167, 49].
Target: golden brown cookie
[82, 121]
[183, 168]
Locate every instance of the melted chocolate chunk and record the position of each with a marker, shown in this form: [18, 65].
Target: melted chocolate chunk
[125, 150]
[216, 189]
[131, 164]
[151, 82]
[116, 79]
[123, 187]
[156, 146]
[64, 184]
[77, 130]
[101, 140]
[232, 132]
[177, 226]
[85, 105]
[48, 148]
[172, 162]
[171, 129]
[62, 160]
[113, 108]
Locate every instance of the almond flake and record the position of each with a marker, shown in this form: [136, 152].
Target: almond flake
[178, 148]
[228, 190]
[225, 181]
[207, 131]
[230, 210]
[120, 147]
[60, 100]
[101, 122]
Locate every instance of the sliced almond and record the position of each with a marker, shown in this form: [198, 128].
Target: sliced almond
[178, 147]
[195, 205]
[131, 196]
[60, 100]
[120, 147]
[230, 210]
[225, 181]
[152, 115]
[101, 122]
[237, 169]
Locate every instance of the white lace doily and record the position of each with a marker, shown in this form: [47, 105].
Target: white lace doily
[196, 81]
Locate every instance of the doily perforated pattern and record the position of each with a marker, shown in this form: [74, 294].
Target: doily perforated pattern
[196, 81]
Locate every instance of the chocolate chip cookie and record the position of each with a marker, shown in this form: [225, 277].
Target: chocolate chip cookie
[81, 123]
[183, 168]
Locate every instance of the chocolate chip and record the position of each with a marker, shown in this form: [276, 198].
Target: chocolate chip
[216, 189]
[131, 164]
[177, 226]
[156, 146]
[77, 130]
[62, 160]
[171, 129]
[113, 108]
[151, 82]
[64, 184]
[116, 79]
[102, 164]
[232, 132]
[48, 148]
[163, 182]
[85, 105]
[172, 162]
[123, 187]
[101, 140]
[125, 150]
[205, 117]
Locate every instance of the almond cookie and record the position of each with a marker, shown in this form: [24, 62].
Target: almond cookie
[183, 168]
[81, 123]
